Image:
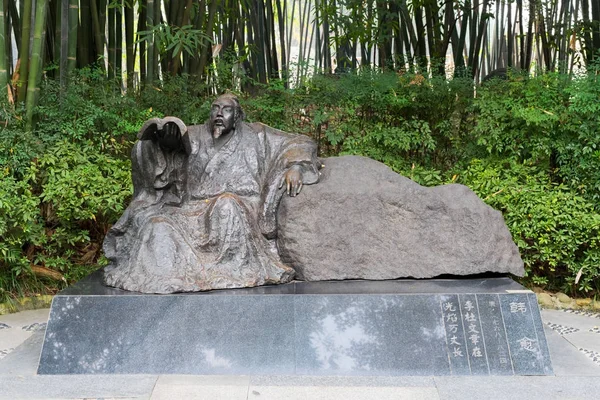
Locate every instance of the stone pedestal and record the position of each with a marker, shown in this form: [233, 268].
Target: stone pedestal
[483, 326]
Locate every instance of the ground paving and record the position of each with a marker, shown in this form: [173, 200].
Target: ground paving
[573, 339]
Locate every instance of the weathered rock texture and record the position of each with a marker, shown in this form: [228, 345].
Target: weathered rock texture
[364, 221]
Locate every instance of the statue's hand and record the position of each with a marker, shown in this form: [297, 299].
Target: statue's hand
[293, 180]
[168, 132]
[169, 136]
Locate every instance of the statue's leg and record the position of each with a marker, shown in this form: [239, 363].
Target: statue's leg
[243, 253]
[161, 261]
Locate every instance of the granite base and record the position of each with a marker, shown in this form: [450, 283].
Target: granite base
[483, 326]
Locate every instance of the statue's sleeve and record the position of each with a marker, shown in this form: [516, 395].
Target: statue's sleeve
[157, 173]
[282, 151]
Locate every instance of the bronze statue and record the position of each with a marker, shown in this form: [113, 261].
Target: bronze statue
[203, 214]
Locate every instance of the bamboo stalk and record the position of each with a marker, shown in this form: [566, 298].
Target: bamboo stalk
[24, 58]
[98, 36]
[84, 34]
[290, 28]
[36, 64]
[3, 48]
[142, 17]
[112, 58]
[150, 56]
[73, 24]
[129, 46]
[16, 21]
[64, 44]
[119, 41]
[281, 20]
[209, 32]
[55, 45]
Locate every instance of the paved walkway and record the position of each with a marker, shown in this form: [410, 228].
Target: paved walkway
[574, 341]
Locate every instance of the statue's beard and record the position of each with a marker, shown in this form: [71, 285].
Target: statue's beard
[220, 130]
[217, 131]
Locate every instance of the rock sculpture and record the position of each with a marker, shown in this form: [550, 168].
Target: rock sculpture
[364, 221]
[206, 214]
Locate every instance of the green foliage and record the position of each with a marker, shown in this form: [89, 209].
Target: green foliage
[556, 229]
[20, 223]
[527, 145]
[551, 119]
[172, 40]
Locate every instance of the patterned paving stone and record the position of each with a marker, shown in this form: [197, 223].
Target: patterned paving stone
[4, 326]
[562, 329]
[584, 313]
[595, 329]
[5, 352]
[594, 355]
[36, 326]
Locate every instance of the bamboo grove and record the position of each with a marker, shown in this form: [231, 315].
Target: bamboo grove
[138, 42]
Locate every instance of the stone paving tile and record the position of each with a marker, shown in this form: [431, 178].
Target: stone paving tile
[593, 355]
[590, 314]
[518, 387]
[573, 320]
[341, 392]
[4, 352]
[36, 326]
[18, 327]
[562, 329]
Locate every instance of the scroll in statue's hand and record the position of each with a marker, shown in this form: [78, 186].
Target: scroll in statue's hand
[293, 181]
[167, 132]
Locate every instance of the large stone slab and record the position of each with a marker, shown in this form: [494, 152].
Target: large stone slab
[364, 221]
[435, 327]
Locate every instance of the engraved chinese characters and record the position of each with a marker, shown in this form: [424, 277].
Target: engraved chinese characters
[479, 342]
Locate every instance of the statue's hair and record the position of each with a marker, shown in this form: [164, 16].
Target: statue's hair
[240, 114]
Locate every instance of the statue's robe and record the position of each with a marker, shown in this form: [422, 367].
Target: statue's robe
[205, 218]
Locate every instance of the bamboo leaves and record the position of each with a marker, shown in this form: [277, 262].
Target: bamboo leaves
[263, 40]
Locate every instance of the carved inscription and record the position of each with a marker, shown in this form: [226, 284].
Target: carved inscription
[455, 335]
[493, 328]
[523, 339]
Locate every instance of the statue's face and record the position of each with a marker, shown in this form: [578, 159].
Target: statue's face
[222, 116]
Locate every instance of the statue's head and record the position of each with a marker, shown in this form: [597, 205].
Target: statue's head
[225, 114]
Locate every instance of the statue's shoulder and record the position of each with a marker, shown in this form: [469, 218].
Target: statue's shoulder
[263, 129]
[195, 135]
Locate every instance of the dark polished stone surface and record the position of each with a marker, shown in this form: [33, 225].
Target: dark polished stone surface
[483, 326]
[92, 286]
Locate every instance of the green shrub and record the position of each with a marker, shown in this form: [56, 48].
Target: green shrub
[551, 119]
[529, 146]
[556, 229]
[82, 192]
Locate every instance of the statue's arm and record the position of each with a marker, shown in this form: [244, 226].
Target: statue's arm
[158, 159]
[292, 163]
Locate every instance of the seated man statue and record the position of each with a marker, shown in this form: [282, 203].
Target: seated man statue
[204, 208]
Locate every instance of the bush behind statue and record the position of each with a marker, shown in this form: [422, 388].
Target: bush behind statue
[528, 146]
